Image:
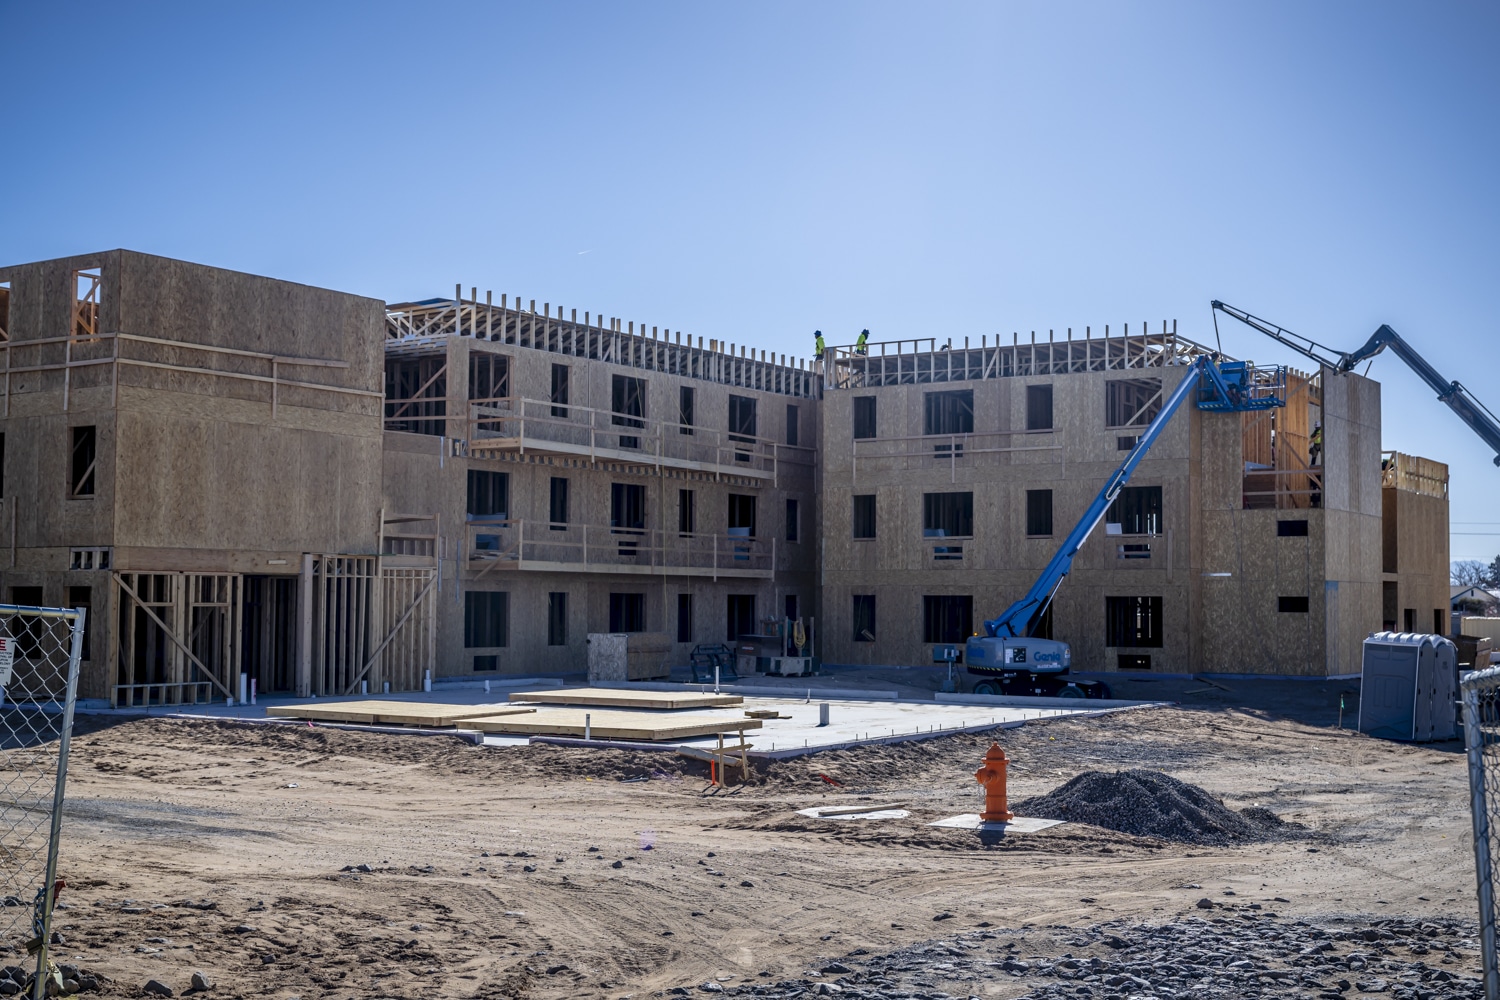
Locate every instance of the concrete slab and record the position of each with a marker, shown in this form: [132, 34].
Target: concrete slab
[1021, 824]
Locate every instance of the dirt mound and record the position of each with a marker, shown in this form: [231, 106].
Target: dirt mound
[1152, 804]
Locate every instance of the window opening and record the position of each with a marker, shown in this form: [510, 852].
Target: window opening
[557, 507]
[1132, 402]
[1133, 621]
[489, 376]
[486, 619]
[1136, 511]
[87, 285]
[948, 515]
[1038, 512]
[557, 618]
[628, 403]
[627, 612]
[559, 397]
[81, 471]
[947, 618]
[864, 516]
[864, 417]
[1039, 407]
[864, 618]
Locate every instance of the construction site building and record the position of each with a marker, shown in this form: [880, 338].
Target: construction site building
[250, 482]
[1244, 543]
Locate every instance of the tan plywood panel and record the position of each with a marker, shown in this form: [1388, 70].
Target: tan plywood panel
[393, 713]
[611, 698]
[607, 725]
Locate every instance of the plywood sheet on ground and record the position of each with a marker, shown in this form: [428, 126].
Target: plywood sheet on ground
[391, 713]
[606, 725]
[612, 698]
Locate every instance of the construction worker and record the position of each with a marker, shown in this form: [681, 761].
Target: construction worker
[817, 345]
[859, 345]
[1315, 447]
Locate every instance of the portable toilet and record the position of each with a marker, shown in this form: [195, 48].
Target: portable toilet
[1408, 687]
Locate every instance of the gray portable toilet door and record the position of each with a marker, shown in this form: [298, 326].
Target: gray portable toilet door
[1387, 690]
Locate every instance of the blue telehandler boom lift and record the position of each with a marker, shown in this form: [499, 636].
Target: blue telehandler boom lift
[1008, 659]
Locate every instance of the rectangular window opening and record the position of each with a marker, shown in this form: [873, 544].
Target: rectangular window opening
[792, 527]
[1291, 529]
[1136, 511]
[864, 516]
[791, 425]
[687, 405]
[864, 618]
[948, 412]
[486, 619]
[687, 512]
[627, 612]
[948, 515]
[557, 505]
[684, 617]
[1038, 513]
[1039, 407]
[742, 515]
[628, 406]
[1134, 661]
[489, 376]
[1132, 402]
[489, 495]
[864, 417]
[416, 395]
[4, 310]
[81, 469]
[557, 618]
[1292, 605]
[1133, 621]
[559, 397]
[88, 284]
[947, 618]
[486, 662]
[740, 610]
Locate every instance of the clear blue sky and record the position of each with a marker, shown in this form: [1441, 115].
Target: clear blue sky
[752, 171]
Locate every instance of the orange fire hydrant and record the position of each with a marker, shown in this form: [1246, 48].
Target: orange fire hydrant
[992, 777]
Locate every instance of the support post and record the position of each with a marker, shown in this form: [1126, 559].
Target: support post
[305, 634]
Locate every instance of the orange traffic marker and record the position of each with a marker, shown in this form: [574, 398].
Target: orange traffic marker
[992, 777]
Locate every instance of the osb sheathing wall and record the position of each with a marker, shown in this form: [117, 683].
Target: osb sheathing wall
[1416, 557]
[999, 563]
[427, 474]
[195, 472]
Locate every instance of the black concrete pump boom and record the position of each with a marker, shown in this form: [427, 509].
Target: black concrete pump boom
[1470, 410]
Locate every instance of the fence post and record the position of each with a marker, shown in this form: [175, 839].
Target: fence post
[1479, 806]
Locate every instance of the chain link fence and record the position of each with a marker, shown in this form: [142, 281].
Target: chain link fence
[1480, 694]
[40, 650]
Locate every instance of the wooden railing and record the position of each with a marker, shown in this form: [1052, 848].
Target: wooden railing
[955, 451]
[519, 543]
[515, 423]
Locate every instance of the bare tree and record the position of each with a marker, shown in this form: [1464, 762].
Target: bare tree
[1469, 573]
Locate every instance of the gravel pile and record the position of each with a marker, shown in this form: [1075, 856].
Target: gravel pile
[1242, 954]
[1152, 804]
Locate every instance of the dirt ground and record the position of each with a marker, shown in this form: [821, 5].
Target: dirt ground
[311, 862]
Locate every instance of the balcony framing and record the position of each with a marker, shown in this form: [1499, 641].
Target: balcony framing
[522, 545]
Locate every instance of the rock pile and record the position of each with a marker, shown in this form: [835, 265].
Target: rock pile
[1152, 804]
[1242, 954]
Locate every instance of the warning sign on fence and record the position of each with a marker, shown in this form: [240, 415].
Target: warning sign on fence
[7, 658]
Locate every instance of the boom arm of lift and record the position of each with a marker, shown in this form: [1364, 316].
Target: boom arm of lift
[1470, 410]
[1015, 620]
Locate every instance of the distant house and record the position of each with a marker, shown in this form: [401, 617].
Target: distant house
[1472, 600]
